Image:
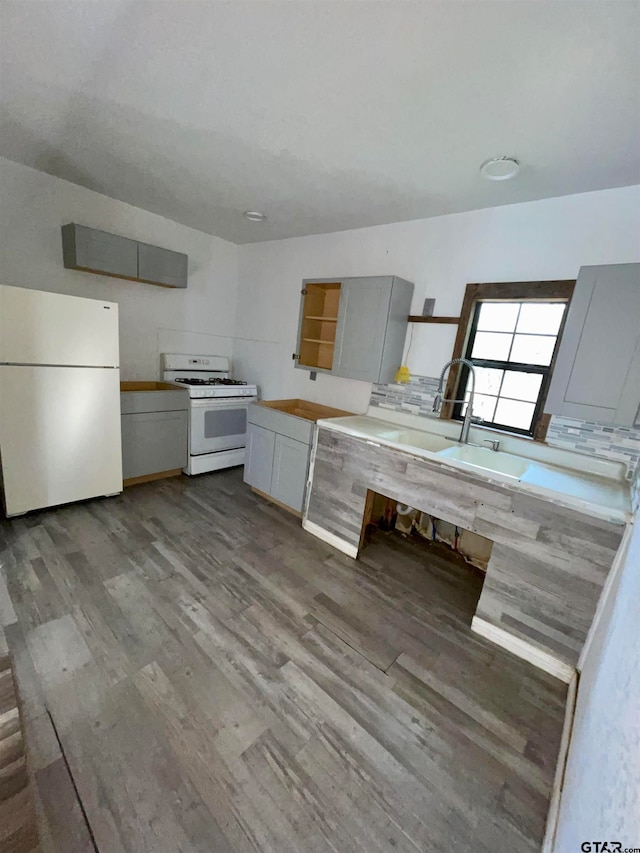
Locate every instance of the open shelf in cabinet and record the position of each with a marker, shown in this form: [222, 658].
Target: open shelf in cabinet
[319, 323]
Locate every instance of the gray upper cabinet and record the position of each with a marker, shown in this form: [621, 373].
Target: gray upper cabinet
[162, 266]
[597, 371]
[90, 250]
[362, 324]
[97, 251]
[354, 327]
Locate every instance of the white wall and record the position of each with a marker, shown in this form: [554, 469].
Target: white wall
[601, 795]
[153, 319]
[548, 239]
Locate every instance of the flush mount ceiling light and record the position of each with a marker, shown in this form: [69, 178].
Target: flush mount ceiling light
[500, 169]
[254, 216]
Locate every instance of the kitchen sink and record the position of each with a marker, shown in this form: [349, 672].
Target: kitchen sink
[379, 430]
[416, 438]
[488, 460]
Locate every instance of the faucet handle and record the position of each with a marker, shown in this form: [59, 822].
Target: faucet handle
[495, 443]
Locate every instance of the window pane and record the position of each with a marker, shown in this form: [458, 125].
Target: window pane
[491, 345]
[521, 386]
[532, 349]
[515, 414]
[484, 406]
[498, 316]
[540, 318]
[488, 380]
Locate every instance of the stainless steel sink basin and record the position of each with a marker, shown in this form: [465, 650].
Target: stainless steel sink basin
[488, 460]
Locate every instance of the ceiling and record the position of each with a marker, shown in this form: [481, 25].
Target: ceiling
[325, 114]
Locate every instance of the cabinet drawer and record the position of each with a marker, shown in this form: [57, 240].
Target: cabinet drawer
[162, 266]
[153, 442]
[137, 402]
[298, 429]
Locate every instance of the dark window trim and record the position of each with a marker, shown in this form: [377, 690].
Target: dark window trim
[512, 291]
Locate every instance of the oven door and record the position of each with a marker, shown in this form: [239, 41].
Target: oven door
[217, 424]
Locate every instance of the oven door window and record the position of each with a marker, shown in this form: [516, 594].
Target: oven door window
[225, 422]
[217, 425]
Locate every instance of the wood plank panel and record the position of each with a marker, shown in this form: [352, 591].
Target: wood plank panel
[548, 563]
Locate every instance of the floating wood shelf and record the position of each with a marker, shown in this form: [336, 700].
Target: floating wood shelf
[415, 318]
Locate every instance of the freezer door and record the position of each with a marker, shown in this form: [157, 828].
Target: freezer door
[50, 328]
[59, 435]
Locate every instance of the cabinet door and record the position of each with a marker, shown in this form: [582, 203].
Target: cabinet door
[362, 323]
[97, 251]
[597, 371]
[258, 462]
[153, 442]
[162, 266]
[289, 477]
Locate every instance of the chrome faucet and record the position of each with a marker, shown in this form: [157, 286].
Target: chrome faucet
[439, 400]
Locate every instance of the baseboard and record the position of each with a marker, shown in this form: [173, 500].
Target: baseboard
[330, 538]
[523, 649]
[561, 766]
[271, 500]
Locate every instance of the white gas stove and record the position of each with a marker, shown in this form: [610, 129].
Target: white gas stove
[217, 409]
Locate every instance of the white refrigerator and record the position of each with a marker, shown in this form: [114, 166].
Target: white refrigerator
[60, 437]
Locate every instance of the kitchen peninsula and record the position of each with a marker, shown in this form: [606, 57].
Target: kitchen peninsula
[552, 550]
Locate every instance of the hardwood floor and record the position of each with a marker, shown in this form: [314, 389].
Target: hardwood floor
[199, 674]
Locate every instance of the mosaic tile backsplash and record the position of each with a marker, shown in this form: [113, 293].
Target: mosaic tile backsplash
[635, 491]
[622, 444]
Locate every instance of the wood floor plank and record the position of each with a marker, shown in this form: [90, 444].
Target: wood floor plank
[199, 674]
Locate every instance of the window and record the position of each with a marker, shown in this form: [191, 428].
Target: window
[511, 342]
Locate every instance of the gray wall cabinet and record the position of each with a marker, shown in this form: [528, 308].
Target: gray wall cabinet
[97, 251]
[277, 455]
[154, 432]
[354, 327]
[162, 266]
[597, 371]
[91, 250]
